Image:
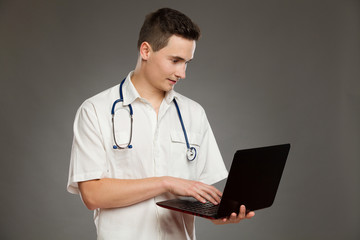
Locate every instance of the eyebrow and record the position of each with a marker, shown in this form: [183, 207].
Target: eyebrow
[182, 59]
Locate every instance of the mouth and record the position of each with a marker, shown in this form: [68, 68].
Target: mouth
[172, 81]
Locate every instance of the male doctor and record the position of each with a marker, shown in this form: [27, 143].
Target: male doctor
[123, 184]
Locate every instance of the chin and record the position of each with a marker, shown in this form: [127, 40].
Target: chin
[168, 88]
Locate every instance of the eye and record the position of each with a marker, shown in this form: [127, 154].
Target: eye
[175, 60]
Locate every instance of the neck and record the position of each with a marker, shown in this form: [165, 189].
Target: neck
[147, 91]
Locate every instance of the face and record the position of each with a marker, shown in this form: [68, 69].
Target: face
[165, 67]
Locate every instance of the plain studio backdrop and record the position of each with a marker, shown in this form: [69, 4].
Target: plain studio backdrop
[266, 72]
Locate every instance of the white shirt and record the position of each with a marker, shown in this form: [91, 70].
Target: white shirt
[159, 149]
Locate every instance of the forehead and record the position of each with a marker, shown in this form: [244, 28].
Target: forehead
[179, 47]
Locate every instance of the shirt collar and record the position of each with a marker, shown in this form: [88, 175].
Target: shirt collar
[170, 95]
[130, 93]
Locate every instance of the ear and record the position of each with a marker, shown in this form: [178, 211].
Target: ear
[145, 50]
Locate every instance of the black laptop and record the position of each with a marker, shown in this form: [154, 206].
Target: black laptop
[253, 181]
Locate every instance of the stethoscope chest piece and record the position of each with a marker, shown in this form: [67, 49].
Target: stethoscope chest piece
[191, 153]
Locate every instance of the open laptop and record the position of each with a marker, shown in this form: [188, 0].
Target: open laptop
[253, 181]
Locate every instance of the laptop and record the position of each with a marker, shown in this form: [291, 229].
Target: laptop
[253, 181]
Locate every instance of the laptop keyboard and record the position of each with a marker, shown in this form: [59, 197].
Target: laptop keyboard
[202, 208]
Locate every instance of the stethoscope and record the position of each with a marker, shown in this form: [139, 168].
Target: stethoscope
[191, 151]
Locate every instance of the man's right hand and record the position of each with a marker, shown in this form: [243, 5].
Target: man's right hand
[200, 191]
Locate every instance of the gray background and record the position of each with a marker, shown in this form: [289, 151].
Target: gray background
[266, 72]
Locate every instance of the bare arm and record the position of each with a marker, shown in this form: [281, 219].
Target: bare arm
[111, 193]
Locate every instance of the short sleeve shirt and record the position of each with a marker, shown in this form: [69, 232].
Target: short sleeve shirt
[159, 149]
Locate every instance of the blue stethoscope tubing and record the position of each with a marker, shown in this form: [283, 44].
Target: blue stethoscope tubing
[191, 151]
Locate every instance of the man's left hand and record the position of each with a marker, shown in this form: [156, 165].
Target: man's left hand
[233, 218]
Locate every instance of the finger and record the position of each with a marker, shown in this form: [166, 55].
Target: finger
[203, 192]
[220, 221]
[211, 193]
[250, 215]
[216, 194]
[209, 188]
[216, 191]
[195, 191]
[242, 212]
[206, 196]
[233, 217]
[209, 198]
[223, 220]
[198, 197]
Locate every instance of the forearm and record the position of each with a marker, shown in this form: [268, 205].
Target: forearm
[113, 193]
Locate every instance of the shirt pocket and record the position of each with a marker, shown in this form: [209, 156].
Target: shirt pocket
[179, 137]
[181, 166]
[122, 162]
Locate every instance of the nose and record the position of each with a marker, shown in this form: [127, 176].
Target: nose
[181, 71]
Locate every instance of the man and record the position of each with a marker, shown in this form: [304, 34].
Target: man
[122, 168]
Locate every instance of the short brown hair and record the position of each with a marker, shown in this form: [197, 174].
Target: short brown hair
[159, 26]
